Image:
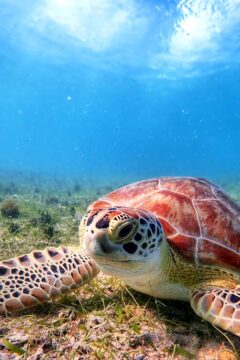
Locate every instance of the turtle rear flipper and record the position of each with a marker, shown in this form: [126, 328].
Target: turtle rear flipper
[42, 275]
[219, 306]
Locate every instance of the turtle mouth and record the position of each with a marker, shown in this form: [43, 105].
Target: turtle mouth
[108, 261]
[105, 252]
[100, 248]
[104, 258]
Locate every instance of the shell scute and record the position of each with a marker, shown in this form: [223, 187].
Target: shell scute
[200, 221]
[176, 209]
[219, 224]
[232, 205]
[99, 204]
[193, 188]
[184, 245]
[212, 254]
[168, 228]
[133, 191]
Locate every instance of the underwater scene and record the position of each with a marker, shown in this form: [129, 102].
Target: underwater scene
[96, 95]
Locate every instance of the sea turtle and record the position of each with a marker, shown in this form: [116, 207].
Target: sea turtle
[172, 238]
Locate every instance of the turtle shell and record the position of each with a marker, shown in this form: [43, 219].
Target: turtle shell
[200, 221]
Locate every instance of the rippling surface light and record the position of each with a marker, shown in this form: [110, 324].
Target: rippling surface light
[161, 36]
[134, 87]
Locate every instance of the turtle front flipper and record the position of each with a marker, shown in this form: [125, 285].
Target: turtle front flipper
[40, 276]
[219, 306]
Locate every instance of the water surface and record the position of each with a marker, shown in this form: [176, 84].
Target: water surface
[120, 89]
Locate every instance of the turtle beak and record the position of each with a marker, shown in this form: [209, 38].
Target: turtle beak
[97, 245]
[101, 248]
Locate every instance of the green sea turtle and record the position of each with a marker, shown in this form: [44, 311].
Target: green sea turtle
[172, 238]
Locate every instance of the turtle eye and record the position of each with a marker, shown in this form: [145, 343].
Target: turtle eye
[123, 231]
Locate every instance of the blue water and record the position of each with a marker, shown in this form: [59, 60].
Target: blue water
[120, 89]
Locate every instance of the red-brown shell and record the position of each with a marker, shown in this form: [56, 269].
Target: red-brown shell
[200, 221]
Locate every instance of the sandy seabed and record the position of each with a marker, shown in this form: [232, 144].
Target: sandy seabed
[104, 319]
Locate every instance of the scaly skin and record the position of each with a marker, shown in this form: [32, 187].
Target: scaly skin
[40, 276]
[219, 306]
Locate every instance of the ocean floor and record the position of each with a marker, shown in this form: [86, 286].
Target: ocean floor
[104, 319]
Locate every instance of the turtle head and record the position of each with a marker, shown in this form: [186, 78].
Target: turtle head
[123, 240]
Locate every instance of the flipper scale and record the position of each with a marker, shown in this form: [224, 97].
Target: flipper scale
[40, 276]
[219, 306]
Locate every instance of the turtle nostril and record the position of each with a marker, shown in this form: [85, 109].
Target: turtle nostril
[125, 230]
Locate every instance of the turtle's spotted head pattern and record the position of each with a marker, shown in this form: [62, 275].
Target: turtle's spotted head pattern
[121, 237]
